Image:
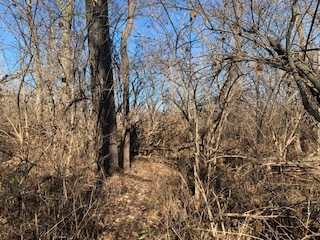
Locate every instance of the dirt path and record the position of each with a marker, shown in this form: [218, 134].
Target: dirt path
[136, 200]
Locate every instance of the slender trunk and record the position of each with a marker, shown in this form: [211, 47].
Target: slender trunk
[37, 61]
[67, 13]
[198, 174]
[102, 85]
[125, 75]
[318, 147]
[39, 84]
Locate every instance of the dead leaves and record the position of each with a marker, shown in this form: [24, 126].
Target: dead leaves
[259, 68]
[193, 15]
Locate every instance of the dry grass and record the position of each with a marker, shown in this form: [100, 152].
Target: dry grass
[126, 205]
[251, 201]
[246, 200]
[241, 197]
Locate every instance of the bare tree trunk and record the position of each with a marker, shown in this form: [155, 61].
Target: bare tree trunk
[67, 12]
[37, 61]
[301, 38]
[67, 92]
[125, 75]
[318, 143]
[198, 167]
[102, 86]
[259, 115]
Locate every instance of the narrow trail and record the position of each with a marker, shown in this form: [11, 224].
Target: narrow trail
[136, 200]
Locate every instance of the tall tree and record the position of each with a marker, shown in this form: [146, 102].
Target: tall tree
[31, 12]
[67, 81]
[125, 75]
[102, 86]
[67, 14]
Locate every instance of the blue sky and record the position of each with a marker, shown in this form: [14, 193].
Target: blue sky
[9, 51]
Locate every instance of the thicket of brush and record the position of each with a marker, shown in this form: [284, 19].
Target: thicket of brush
[254, 183]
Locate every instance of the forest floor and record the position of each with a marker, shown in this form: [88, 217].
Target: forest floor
[137, 200]
[131, 204]
[152, 200]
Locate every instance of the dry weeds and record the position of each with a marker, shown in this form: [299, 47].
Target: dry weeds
[247, 200]
[241, 197]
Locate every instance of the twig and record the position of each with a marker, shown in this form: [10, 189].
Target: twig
[253, 216]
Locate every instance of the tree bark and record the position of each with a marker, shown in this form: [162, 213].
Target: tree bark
[102, 86]
[125, 75]
[37, 60]
[67, 13]
[67, 82]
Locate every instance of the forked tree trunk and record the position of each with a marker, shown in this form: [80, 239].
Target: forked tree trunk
[125, 76]
[102, 85]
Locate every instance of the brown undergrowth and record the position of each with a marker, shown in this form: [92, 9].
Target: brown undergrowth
[240, 199]
[250, 199]
[126, 206]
